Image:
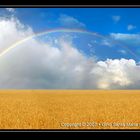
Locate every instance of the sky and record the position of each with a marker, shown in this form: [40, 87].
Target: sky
[69, 48]
[102, 20]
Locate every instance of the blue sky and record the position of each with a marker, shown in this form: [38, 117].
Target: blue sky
[110, 22]
[104, 21]
[95, 19]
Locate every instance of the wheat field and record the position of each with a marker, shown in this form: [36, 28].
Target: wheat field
[69, 109]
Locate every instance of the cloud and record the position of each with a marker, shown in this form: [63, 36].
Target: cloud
[129, 39]
[12, 31]
[121, 36]
[39, 65]
[11, 10]
[106, 42]
[123, 52]
[116, 18]
[70, 22]
[130, 27]
[118, 74]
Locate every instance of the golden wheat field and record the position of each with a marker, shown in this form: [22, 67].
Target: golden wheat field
[69, 109]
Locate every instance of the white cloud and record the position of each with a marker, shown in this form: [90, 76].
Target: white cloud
[123, 51]
[12, 31]
[71, 22]
[106, 42]
[122, 36]
[131, 27]
[117, 74]
[37, 65]
[129, 39]
[116, 18]
[11, 10]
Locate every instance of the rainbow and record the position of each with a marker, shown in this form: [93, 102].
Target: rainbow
[46, 32]
[61, 30]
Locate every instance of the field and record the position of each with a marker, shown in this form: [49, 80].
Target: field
[69, 109]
